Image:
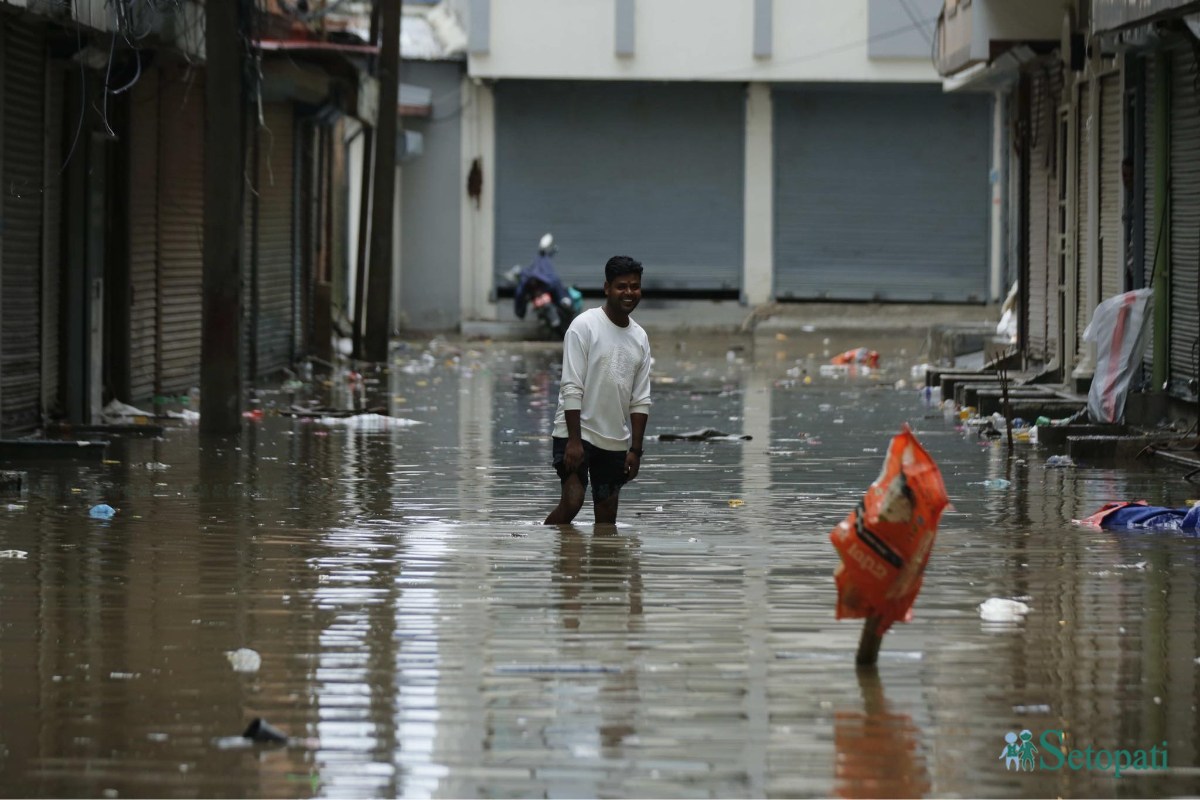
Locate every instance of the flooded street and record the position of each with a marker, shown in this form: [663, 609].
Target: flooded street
[421, 634]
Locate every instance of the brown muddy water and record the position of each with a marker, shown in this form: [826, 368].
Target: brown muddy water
[420, 633]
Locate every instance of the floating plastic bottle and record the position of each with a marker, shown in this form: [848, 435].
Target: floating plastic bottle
[101, 511]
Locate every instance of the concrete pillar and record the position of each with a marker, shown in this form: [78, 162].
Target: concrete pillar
[758, 256]
[398, 320]
[478, 213]
[997, 289]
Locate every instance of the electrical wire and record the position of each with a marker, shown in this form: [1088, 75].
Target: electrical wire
[913, 17]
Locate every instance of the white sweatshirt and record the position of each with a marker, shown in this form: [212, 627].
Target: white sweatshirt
[606, 376]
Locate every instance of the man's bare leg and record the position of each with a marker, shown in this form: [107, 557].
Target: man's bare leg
[606, 509]
[570, 502]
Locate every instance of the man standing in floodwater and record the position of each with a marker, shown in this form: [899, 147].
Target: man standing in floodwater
[603, 399]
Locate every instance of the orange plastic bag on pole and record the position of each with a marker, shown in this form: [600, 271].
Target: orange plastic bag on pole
[885, 542]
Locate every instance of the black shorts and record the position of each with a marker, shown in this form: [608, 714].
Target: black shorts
[606, 467]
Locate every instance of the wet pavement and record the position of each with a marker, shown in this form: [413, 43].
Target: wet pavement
[421, 634]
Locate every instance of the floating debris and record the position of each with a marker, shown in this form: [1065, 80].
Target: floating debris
[244, 659]
[999, 609]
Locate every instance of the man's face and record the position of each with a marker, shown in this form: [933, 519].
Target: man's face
[624, 293]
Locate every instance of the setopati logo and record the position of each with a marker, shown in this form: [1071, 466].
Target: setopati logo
[1052, 753]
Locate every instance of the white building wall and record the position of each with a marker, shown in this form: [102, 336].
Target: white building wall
[813, 40]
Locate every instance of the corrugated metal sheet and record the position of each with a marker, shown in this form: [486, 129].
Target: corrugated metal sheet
[143, 237]
[1185, 220]
[1043, 210]
[24, 78]
[1057, 231]
[180, 228]
[881, 193]
[274, 317]
[651, 170]
[1112, 234]
[1151, 236]
[51, 240]
[1085, 129]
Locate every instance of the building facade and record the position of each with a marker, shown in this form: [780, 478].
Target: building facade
[753, 151]
[1104, 133]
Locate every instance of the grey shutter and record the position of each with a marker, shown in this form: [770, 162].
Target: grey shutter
[24, 78]
[1112, 233]
[1085, 129]
[653, 171]
[274, 318]
[180, 228]
[1056, 189]
[1042, 210]
[881, 193]
[52, 240]
[1185, 220]
[1150, 238]
[143, 237]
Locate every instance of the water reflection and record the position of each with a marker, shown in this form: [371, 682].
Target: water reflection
[431, 638]
[878, 751]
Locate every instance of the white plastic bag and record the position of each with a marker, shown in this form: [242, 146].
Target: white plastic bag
[1119, 328]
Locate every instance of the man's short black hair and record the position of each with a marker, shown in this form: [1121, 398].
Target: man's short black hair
[621, 265]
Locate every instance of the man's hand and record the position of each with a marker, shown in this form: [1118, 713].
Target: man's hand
[573, 457]
[632, 463]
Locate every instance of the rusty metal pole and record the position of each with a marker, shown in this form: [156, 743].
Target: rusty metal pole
[375, 341]
[224, 162]
[359, 312]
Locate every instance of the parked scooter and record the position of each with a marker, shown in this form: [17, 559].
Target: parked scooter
[538, 284]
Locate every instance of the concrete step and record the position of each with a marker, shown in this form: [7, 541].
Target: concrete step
[1105, 449]
[24, 450]
[90, 431]
[1055, 437]
[990, 400]
[1053, 406]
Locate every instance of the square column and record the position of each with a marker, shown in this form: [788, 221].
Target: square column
[758, 255]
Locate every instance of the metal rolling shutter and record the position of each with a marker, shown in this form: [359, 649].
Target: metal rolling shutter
[143, 237]
[1112, 243]
[1042, 202]
[51, 241]
[1185, 220]
[1055, 189]
[180, 228]
[651, 170]
[1150, 237]
[1084, 130]
[24, 78]
[881, 193]
[274, 318]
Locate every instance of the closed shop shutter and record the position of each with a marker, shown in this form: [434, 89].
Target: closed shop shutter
[881, 193]
[180, 227]
[1112, 235]
[1185, 220]
[650, 170]
[1056, 204]
[1150, 236]
[1043, 205]
[1084, 130]
[143, 237]
[51, 240]
[24, 70]
[273, 322]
